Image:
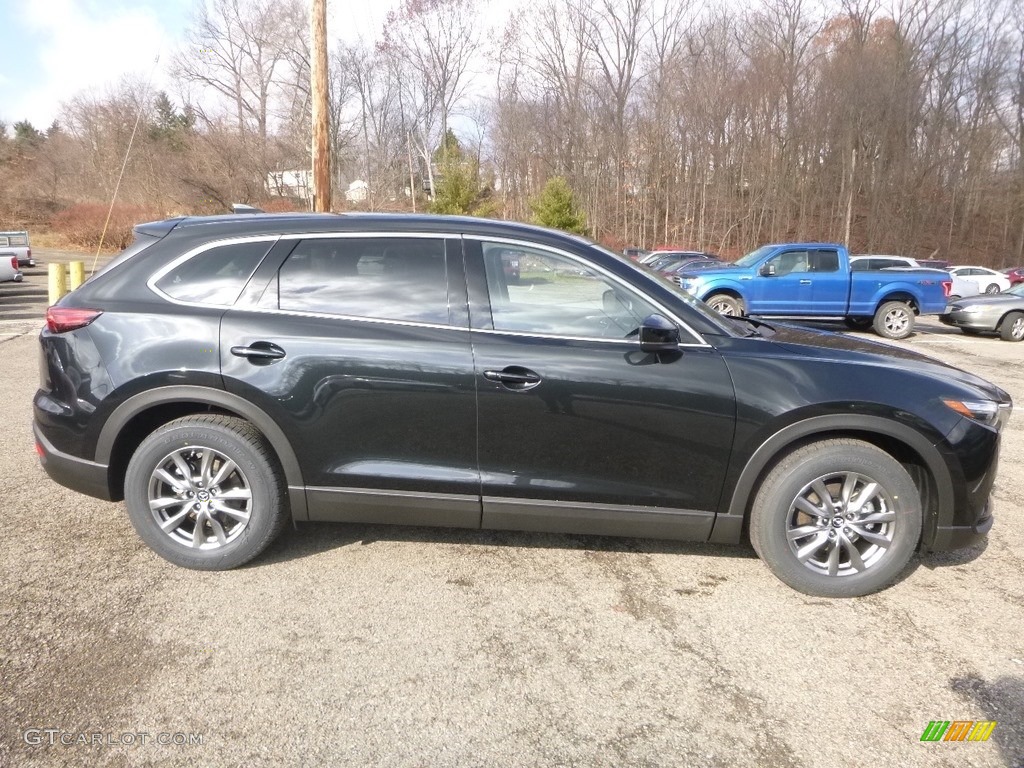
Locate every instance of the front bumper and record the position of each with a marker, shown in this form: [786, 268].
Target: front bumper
[950, 537]
[75, 473]
[973, 321]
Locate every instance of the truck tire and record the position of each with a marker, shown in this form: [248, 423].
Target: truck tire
[724, 304]
[894, 320]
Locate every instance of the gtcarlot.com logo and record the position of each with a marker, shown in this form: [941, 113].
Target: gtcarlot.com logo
[958, 730]
[53, 736]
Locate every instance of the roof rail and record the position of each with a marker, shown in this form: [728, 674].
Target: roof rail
[241, 208]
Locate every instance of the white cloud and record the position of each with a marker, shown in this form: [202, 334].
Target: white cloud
[86, 46]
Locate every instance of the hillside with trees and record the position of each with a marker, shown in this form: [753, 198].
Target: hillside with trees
[894, 125]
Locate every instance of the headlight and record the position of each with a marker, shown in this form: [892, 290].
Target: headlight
[691, 284]
[971, 308]
[986, 411]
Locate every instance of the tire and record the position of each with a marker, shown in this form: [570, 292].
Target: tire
[724, 304]
[858, 323]
[884, 540]
[993, 288]
[1012, 327]
[253, 490]
[894, 320]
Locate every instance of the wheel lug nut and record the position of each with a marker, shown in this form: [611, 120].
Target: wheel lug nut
[196, 507]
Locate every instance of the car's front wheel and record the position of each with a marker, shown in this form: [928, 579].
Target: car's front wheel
[1012, 327]
[206, 492]
[837, 518]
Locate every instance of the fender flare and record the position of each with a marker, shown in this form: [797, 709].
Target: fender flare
[729, 525]
[143, 401]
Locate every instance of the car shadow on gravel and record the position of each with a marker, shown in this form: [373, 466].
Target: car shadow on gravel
[315, 538]
[1001, 700]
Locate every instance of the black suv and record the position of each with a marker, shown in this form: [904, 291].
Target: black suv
[226, 374]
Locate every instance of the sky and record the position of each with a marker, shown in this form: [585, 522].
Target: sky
[54, 49]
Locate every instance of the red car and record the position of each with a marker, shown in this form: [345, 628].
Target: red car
[1016, 275]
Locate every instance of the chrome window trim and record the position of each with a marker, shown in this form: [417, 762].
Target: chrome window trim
[596, 267]
[192, 253]
[448, 235]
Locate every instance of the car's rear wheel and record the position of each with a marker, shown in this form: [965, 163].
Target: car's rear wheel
[894, 320]
[992, 288]
[206, 492]
[837, 518]
[1012, 327]
[724, 304]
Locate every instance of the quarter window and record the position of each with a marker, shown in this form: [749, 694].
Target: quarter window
[552, 294]
[215, 276]
[380, 278]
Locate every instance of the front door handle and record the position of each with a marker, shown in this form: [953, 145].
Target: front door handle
[514, 377]
[805, 282]
[259, 350]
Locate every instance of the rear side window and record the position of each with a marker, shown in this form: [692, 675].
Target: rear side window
[215, 276]
[377, 278]
[824, 261]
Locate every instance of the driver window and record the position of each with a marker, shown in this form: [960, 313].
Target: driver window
[552, 294]
[790, 261]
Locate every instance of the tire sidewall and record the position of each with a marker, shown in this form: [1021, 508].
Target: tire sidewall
[730, 301]
[772, 506]
[164, 441]
[885, 309]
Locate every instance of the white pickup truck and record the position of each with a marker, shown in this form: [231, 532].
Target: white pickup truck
[16, 242]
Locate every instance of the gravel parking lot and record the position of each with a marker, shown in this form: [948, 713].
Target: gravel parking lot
[372, 645]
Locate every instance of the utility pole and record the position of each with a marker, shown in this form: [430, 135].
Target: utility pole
[321, 113]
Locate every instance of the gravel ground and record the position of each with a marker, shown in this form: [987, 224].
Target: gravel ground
[372, 645]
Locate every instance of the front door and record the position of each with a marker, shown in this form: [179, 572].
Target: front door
[579, 430]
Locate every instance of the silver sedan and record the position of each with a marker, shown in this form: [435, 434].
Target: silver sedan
[1001, 313]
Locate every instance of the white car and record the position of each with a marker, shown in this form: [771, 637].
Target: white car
[988, 280]
[866, 262]
[9, 268]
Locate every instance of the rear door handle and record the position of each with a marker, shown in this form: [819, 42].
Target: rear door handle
[805, 282]
[259, 350]
[514, 377]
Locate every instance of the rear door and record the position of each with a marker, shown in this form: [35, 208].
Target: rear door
[358, 346]
[830, 285]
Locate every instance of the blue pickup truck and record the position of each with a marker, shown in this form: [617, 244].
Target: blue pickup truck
[815, 280]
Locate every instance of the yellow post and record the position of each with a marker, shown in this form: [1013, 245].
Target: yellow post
[77, 274]
[58, 282]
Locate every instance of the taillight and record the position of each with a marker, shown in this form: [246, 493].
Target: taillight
[62, 319]
[947, 288]
[14, 263]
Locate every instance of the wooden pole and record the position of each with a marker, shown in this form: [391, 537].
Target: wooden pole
[321, 110]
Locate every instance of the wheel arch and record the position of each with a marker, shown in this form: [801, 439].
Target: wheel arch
[902, 295]
[129, 423]
[913, 450]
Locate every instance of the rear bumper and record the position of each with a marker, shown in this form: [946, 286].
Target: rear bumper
[75, 473]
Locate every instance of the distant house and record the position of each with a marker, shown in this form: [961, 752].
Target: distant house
[358, 191]
[291, 184]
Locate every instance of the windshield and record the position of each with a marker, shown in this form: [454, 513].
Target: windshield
[753, 257]
[693, 303]
[1017, 290]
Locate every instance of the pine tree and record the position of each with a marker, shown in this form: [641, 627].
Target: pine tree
[556, 207]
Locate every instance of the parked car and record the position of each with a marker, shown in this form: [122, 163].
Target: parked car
[667, 258]
[635, 253]
[933, 263]
[815, 280]
[226, 375]
[1014, 274]
[674, 271]
[989, 280]
[1001, 313]
[9, 268]
[18, 243]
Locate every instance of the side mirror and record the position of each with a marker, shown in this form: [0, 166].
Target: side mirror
[658, 334]
[767, 270]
